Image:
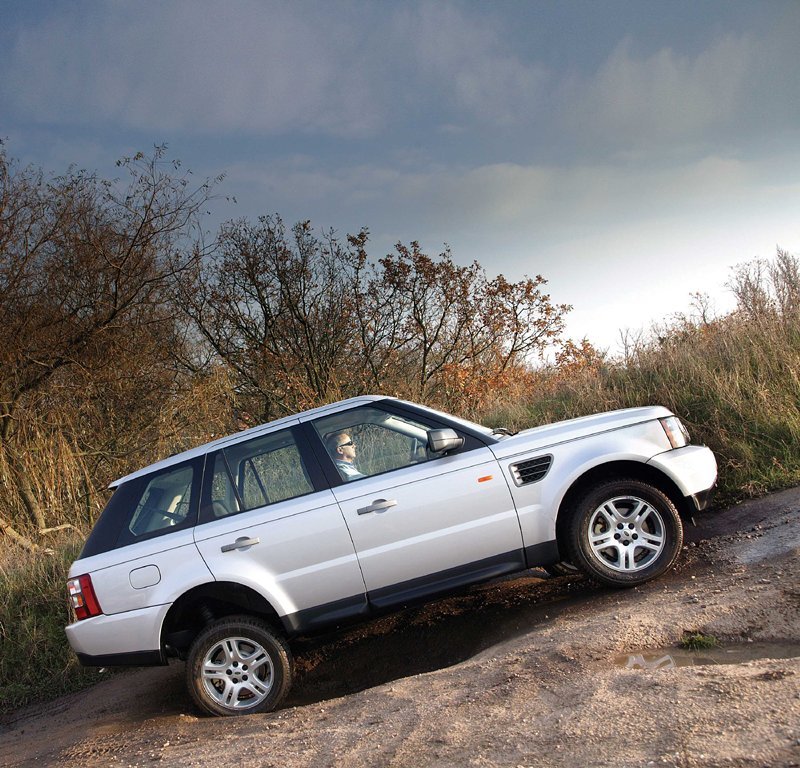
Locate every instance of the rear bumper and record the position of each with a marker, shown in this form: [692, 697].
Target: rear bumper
[131, 638]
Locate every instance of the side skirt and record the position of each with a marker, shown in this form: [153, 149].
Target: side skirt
[133, 659]
[442, 582]
[418, 590]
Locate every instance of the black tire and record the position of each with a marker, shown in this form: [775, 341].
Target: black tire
[624, 532]
[238, 666]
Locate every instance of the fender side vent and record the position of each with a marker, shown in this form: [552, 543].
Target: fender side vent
[532, 470]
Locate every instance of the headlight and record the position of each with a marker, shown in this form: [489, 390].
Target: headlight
[676, 433]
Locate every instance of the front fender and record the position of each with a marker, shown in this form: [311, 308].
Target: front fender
[538, 503]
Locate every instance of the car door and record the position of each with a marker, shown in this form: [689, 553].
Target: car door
[420, 522]
[268, 523]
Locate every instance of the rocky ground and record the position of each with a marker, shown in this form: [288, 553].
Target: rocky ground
[530, 671]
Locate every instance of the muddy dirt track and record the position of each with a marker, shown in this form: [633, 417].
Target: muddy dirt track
[530, 671]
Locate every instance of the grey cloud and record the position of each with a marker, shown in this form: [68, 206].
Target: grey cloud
[199, 66]
[415, 74]
[661, 96]
[203, 66]
[462, 58]
[538, 202]
[741, 86]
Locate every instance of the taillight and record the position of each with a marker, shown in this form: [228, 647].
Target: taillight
[82, 597]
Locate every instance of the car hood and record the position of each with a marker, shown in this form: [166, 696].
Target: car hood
[539, 438]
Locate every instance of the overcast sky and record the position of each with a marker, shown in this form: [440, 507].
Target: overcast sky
[630, 152]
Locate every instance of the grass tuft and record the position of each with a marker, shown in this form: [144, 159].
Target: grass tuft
[698, 641]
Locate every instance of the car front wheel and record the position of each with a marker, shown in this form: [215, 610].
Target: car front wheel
[238, 666]
[624, 532]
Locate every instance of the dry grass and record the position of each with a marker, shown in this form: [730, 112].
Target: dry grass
[33, 613]
[735, 382]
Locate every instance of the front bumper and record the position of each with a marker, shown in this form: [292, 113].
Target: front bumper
[693, 469]
[702, 500]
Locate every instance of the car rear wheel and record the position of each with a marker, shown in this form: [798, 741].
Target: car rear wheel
[238, 666]
[624, 532]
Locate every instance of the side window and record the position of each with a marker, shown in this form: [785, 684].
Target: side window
[164, 503]
[224, 499]
[368, 441]
[255, 473]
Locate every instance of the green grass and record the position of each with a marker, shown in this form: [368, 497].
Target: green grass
[36, 662]
[697, 641]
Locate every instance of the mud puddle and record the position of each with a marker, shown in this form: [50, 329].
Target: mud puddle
[741, 653]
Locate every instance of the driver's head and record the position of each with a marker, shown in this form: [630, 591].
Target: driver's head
[341, 446]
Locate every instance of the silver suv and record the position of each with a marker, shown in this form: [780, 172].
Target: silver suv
[221, 554]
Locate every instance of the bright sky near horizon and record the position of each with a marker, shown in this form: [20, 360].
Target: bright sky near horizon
[631, 151]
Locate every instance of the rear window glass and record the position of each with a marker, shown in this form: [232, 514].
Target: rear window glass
[147, 506]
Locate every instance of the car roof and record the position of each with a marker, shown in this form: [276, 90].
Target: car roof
[213, 445]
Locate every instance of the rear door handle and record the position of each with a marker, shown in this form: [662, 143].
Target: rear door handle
[377, 506]
[241, 543]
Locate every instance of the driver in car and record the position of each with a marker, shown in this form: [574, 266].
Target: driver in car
[343, 451]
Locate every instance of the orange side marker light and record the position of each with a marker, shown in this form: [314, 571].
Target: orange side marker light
[484, 478]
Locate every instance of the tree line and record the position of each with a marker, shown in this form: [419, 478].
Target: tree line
[128, 333]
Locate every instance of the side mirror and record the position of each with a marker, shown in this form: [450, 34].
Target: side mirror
[444, 440]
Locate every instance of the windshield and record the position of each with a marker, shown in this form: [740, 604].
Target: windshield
[470, 425]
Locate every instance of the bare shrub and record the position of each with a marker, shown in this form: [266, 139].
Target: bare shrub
[300, 318]
[87, 326]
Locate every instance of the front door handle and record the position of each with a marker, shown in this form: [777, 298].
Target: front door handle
[241, 543]
[377, 506]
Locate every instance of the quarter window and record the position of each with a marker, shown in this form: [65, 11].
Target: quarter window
[164, 504]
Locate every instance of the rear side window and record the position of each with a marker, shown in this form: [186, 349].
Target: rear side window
[148, 506]
[165, 502]
[256, 473]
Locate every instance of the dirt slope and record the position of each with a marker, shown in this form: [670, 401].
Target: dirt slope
[518, 673]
